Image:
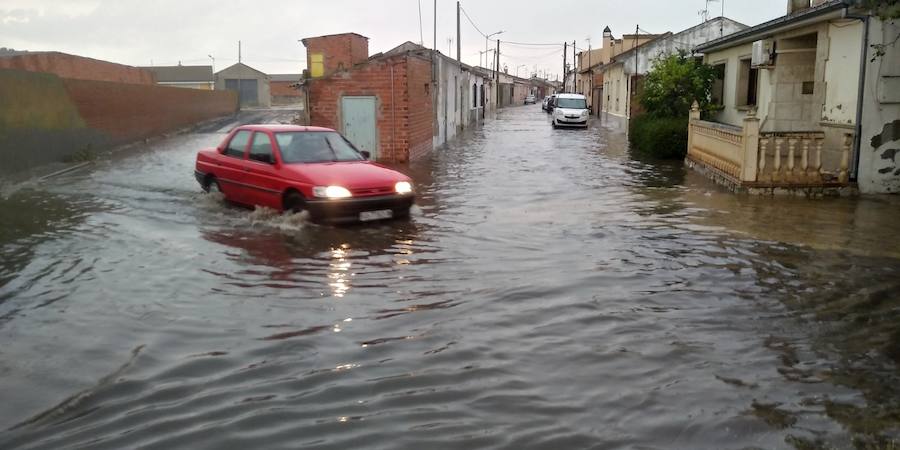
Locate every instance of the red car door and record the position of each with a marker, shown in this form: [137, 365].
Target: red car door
[262, 177]
[231, 172]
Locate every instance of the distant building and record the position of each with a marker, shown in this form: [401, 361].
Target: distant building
[285, 89]
[251, 85]
[76, 67]
[623, 74]
[193, 77]
[587, 76]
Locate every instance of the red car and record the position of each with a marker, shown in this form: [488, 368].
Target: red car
[296, 168]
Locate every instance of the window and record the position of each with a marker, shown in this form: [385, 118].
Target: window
[748, 84]
[571, 103]
[317, 146]
[718, 86]
[316, 65]
[261, 149]
[808, 88]
[238, 144]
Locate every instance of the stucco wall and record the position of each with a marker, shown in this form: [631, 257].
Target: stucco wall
[455, 108]
[616, 90]
[842, 72]
[879, 158]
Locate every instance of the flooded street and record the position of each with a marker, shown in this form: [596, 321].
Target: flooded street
[550, 291]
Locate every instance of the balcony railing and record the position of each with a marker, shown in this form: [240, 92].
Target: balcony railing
[744, 157]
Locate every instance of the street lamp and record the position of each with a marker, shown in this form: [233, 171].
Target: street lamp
[487, 38]
[213, 69]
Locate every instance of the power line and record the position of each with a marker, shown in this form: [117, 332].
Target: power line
[472, 22]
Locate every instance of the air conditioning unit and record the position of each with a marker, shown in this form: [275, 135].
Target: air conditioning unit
[763, 53]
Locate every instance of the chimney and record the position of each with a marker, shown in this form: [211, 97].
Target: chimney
[328, 54]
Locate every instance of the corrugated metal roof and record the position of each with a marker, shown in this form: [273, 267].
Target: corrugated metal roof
[184, 74]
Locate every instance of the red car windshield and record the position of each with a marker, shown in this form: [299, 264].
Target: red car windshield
[315, 146]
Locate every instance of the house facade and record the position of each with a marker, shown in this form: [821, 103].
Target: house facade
[622, 75]
[794, 113]
[251, 85]
[463, 95]
[383, 103]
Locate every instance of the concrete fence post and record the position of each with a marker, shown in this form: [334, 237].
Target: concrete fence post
[750, 161]
[695, 115]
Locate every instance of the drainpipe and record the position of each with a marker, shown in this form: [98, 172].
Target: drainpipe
[857, 138]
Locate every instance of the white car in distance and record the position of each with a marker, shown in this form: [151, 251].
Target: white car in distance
[571, 111]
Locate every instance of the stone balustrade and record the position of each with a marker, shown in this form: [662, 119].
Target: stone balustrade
[743, 157]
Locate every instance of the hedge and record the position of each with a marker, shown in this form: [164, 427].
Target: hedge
[660, 137]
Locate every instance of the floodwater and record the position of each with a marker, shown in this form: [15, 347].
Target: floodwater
[550, 291]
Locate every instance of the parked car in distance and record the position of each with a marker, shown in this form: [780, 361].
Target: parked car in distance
[551, 100]
[571, 110]
[530, 100]
[544, 102]
[297, 168]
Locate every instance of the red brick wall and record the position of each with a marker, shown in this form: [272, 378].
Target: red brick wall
[340, 51]
[283, 89]
[129, 112]
[404, 126]
[77, 67]
[421, 116]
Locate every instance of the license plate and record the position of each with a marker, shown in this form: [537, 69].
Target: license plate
[381, 214]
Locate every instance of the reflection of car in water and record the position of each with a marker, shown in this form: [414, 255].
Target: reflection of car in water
[295, 168]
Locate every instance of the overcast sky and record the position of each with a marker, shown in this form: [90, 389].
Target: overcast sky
[164, 32]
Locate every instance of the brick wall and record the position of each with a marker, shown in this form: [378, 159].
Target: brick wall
[340, 51]
[403, 124]
[283, 89]
[129, 112]
[419, 98]
[77, 67]
[45, 118]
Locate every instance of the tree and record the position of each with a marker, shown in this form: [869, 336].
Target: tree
[673, 84]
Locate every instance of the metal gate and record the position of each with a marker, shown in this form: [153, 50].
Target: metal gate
[247, 90]
[358, 123]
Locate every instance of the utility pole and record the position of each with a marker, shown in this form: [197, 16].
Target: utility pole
[590, 90]
[565, 63]
[239, 78]
[433, 61]
[574, 70]
[497, 73]
[239, 51]
[458, 43]
[637, 30]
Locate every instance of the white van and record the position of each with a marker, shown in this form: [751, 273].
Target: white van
[571, 111]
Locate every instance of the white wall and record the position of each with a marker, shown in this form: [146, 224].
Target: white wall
[879, 158]
[842, 72]
[454, 101]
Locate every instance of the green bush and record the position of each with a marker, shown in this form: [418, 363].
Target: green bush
[659, 137]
